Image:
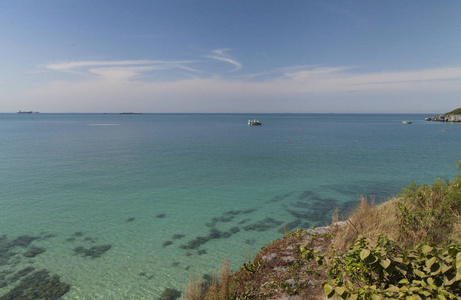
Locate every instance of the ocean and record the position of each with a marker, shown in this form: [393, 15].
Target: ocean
[125, 206]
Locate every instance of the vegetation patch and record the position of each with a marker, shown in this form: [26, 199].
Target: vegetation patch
[408, 247]
[454, 112]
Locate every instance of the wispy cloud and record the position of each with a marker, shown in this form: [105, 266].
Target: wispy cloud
[343, 79]
[131, 69]
[126, 85]
[221, 55]
[127, 69]
[297, 79]
[67, 66]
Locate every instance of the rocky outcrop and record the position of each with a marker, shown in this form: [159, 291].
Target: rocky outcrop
[446, 118]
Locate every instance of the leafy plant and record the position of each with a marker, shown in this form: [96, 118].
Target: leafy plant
[428, 212]
[388, 271]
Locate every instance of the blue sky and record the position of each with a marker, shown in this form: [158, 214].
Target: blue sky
[230, 56]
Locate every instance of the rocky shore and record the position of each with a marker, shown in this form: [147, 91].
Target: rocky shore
[280, 271]
[445, 118]
[452, 116]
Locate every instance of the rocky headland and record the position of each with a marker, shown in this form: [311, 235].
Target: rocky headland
[453, 116]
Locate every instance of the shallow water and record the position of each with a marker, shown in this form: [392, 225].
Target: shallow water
[174, 194]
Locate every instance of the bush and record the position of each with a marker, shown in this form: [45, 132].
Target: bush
[429, 213]
[388, 271]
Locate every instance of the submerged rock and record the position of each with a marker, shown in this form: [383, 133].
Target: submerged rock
[20, 273]
[22, 241]
[234, 230]
[167, 243]
[93, 252]
[178, 236]
[34, 251]
[215, 234]
[194, 244]
[39, 285]
[170, 294]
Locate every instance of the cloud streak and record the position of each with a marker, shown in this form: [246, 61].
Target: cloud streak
[220, 55]
[129, 85]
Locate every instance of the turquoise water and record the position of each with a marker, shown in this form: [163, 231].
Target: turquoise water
[174, 194]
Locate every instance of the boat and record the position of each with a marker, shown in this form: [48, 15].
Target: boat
[254, 123]
[407, 122]
[27, 112]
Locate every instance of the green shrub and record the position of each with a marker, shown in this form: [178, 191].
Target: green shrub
[428, 213]
[454, 112]
[388, 271]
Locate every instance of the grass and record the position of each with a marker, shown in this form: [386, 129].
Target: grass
[420, 215]
[218, 288]
[368, 220]
[454, 112]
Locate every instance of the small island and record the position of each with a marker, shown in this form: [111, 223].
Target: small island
[452, 116]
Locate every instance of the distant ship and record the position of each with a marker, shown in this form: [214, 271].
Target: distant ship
[130, 113]
[27, 112]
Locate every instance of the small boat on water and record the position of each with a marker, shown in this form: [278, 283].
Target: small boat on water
[254, 123]
[407, 122]
[27, 112]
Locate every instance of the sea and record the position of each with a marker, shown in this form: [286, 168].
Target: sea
[126, 206]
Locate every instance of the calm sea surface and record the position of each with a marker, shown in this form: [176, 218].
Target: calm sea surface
[169, 195]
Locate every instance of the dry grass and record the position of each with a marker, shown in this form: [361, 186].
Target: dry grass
[217, 289]
[367, 220]
[427, 213]
[194, 288]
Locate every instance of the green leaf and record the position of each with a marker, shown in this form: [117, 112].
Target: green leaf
[353, 297]
[419, 273]
[425, 293]
[393, 289]
[445, 268]
[328, 290]
[458, 265]
[430, 262]
[425, 249]
[385, 263]
[398, 259]
[449, 280]
[430, 281]
[364, 254]
[340, 290]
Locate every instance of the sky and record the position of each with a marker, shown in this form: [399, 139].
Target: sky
[230, 56]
